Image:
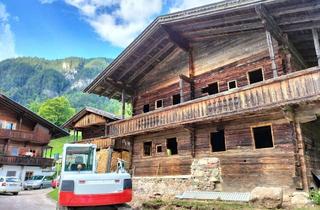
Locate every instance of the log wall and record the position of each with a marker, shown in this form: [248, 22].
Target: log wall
[311, 138]
[219, 61]
[8, 115]
[93, 132]
[242, 166]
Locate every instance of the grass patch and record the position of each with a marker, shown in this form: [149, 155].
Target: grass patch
[54, 194]
[57, 144]
[197, 205]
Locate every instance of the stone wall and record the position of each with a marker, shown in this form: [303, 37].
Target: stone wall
[205, 174]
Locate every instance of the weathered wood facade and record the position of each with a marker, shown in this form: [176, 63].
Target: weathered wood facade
[24, 136]
[236, 80]
[91, 122]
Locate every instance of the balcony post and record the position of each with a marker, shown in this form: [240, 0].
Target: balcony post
[271, 53]
[123, 101]
[191, 73]
[316, 44]
[181, 90]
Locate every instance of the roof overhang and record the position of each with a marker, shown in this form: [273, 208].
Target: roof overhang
[180, 30]
[74, 119]
[55, 131]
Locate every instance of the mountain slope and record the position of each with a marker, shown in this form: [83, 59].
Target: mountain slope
[28, 79]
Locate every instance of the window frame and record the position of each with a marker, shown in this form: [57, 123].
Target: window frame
[151, 152]
[177, 140]
[155, 104]
[156, 147]
[235, 86]
[253, 139]
[209, 139]
[207, 93]
[172, 99]
[144, 106]
[256, 69]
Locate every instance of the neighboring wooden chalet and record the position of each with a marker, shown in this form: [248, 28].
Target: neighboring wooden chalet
[24, 138]
[237, 80]
[91, 122]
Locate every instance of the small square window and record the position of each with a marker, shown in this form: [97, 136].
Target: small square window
[147, 148]
[232, 84]
[172, 146]
[159, 148]
[262, 137]
[255, 76]
[146, 108]
[159, 104]
[211, 89]
[217, 141]
[176, 99]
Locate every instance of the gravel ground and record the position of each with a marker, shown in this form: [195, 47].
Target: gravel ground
[31, 199]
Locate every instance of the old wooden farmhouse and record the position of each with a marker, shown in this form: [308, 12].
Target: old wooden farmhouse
[24, 138]
[237, 80]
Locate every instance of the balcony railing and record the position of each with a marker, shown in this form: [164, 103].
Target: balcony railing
[23, 136]
[26, 161]
[283, 90]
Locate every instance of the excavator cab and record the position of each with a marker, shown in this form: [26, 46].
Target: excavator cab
[81, 186]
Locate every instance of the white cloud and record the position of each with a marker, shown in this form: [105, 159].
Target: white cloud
[187, 4]
[118, 21]
[7, 44]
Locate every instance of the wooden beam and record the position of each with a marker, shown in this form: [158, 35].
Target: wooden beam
[192, 133]
[316, 44]
[191, 73]
[185, 78]
[145, 54]
[181, 90]
[210, 22]
[176, 38]
[118, 86]
[139, 71]
[225, 29]
[295, 8]
[300, 152]
[271, 53]
[271, 26]
[123, 101]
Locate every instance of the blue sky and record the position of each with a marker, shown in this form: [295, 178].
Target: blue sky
[86, 28]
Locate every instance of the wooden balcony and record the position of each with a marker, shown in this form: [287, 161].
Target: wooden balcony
[26, 161]
[284, 90]
[19, 135]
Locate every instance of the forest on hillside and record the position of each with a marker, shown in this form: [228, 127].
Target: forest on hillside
[38, 83]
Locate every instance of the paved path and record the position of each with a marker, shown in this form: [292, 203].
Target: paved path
[31, 199]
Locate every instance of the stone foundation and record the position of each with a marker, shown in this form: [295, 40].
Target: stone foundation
[205, 175]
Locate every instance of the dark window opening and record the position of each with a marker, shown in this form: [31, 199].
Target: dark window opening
[159, 104]
[232, 84]
[172, 146]
[147, 148]
[176, 99]
[211, 89]
[146, 108]
[217, 141]
[262, 137]
[255, 76]
[159, 148]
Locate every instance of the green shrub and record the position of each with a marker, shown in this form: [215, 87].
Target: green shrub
[315, 196]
